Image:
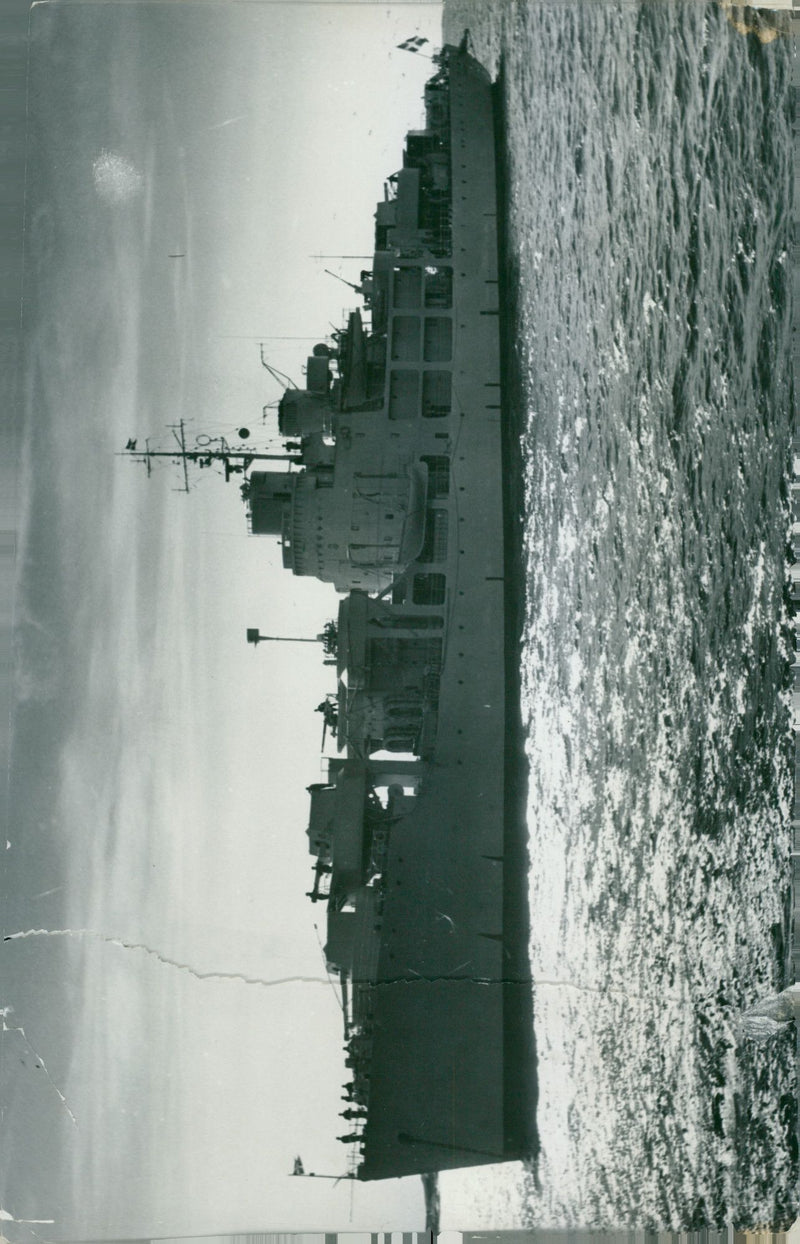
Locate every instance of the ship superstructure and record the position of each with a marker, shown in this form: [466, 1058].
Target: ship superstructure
[399, 504]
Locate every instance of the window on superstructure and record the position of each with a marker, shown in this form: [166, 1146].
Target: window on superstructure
[403, 394]
[436, 394]
[438, 339]
[435, 547]
[407, 288]
[405, 338]
[438, 474]
[439, 287]
[428, 589]
[376, 370]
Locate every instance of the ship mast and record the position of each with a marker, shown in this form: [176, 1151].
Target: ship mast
[336, 277]
[315, 1175]
[207, 450]
[328, 637]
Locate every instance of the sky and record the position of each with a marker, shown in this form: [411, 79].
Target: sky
[159, 763]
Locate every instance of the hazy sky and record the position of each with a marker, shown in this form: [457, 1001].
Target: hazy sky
[160, 764]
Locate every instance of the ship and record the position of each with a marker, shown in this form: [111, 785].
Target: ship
[395, 494]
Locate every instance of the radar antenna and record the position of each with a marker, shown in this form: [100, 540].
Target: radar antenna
[207, 450]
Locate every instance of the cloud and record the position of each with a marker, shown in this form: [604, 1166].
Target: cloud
[115, 178]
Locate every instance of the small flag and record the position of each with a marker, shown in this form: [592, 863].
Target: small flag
[298, 1167]
[414, 44]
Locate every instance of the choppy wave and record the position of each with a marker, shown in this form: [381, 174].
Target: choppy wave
[649, 182]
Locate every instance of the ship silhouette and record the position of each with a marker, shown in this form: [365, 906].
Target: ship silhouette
[394, 495]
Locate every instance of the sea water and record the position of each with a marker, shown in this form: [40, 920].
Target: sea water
[648, 159]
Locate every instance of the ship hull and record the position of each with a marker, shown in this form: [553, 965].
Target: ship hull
[450, 982]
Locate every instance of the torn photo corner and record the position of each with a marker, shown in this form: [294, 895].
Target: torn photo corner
[402, 832]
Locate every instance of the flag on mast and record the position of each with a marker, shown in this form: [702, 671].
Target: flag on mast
[414, 44]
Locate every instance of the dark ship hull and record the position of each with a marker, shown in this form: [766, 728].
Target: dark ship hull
[438, 1059]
